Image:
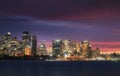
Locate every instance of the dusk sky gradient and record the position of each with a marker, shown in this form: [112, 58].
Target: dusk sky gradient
[95, 20]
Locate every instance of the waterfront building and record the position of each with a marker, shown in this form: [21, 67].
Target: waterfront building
[34, 45]
[42, 49]
[8, 35]
[67, 46]
[9, 45]
[28, 51]
[85, 48]
[57, 47]
[74, 48]
[26, 38]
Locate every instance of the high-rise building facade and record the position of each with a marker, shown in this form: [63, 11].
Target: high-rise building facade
[34, 45]
[26, 38]
[74, 47]
[42, 49]
[8, 35]
[67, 46]
[57, 47]
[85, 48]
[10, 45]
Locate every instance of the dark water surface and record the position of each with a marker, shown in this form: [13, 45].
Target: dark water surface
[66, 68]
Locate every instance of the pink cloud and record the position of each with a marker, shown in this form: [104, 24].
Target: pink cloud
[93, 14]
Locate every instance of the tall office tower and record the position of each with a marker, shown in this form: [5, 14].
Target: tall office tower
[8, 35]
[42, 49]
[57, 47]
[26, 38]
[85, 48]
[13, 47]
[34, 45]
[67, 46]
[74, 47]
[6, 38]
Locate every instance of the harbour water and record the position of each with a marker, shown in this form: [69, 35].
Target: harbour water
[59, 68]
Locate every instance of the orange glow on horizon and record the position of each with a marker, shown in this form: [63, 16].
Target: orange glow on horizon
[108, 47]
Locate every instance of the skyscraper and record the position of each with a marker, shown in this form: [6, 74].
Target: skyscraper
[34, 45]
[57, 47]
[26, 38]
[67, 46]
[74, 47]
[42, 49]
[8, 35]
[85, 48]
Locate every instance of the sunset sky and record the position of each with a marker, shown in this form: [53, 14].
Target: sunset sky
[95, 20]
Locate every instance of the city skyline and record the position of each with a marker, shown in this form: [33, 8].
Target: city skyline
[96, 21]
[93, 44]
